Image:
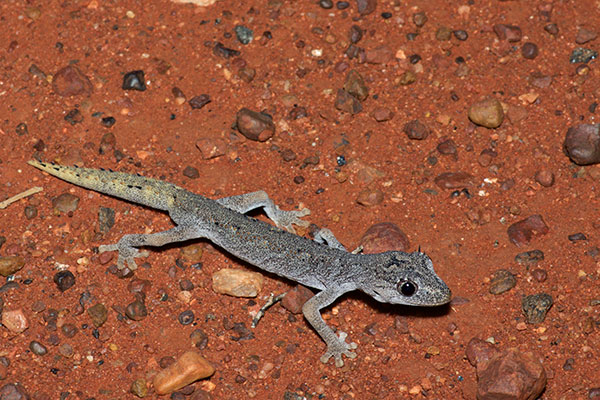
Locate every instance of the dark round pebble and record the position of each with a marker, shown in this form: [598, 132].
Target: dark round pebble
[199, 338]
[186, 317]
[460, 34]
[37, 348]
[355, 34]
[243, 34]
[288, 155]
[166, 361]
[576, 237]
[529, 50]
[386, 15]
[136, 310]
[415, 58]
[298, 179]
[191, 172]
[21, 129]
[134, 80]
[64, 280]
[30, 212]
[419, 19]
[342, 5]
[69, 330]
[108, 121]
[326, 4]
[551, 29]
[186, 284]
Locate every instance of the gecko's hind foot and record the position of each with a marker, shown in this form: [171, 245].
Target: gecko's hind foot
[127, 254]
[339, 348]
[286, 219]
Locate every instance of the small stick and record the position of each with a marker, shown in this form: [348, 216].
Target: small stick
[272, 300]
[22, 195]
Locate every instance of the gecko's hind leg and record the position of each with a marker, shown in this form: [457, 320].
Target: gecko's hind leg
[250, 201]
[128, 244]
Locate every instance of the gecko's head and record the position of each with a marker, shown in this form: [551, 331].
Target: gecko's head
[405, 278]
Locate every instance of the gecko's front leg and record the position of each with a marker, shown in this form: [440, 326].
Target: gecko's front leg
[336, 345]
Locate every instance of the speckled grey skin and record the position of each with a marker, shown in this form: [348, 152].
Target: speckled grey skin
[392, 277]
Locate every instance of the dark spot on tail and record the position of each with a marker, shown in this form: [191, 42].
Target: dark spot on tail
[134, 186]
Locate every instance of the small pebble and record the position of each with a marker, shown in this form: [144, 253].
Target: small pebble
[576, 237]
[245, 35]
[106, 219]
[522, 232]
[502, 281]
[254, 125]
[347, 103]
[454, 180]
[529, 50]
[211, 147]
[134, 80]
[447, 148]
[69, 330]
[585, 35]
[355, 85]
[15, 320]
[74, 117]
[237, 282]
[355, 34]
[37, 348]
[220, 50]
[382, 237]
[544, 177]
[416, 130]
[295, 298]
[582, 144]
[536, 306]
[136, 310]
[443, 34]
[582, 55]
[190, 367]
[539, 274]
[382, 114]
[197, 102]
[342, 5]
[461, 34]
[366, 6]
[199, 338]
[370, 197]
[65, 202]
[98, 314]
[64, 280]
[551, 29]
[510, 33]
[139, 388]
[419, 19]
[30, 212]
[11, 264]
[326, 4]
[191, 172]
[487, 113]
[70, 81]
[186, 317]
[530, 257]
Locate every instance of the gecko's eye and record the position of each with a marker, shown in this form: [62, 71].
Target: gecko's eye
[407, 288]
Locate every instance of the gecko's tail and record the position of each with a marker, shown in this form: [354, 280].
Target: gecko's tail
[135, 188]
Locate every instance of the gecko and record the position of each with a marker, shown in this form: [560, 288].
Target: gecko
[322, 263]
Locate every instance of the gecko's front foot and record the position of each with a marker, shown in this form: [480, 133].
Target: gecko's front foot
[286, 219]
[339, 348]
[127, 253]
